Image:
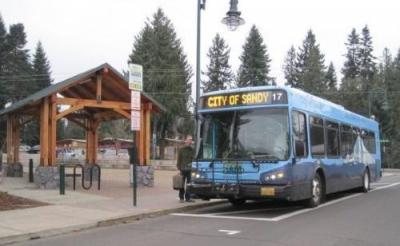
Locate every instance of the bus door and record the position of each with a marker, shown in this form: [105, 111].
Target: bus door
[351, 156]
[303, 169]
[333, 163]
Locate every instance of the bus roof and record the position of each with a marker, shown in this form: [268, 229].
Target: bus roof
[312, 104]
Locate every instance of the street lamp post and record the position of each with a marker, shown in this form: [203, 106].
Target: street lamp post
[233, 21]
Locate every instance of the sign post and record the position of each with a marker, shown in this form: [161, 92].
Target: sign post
[136, 85]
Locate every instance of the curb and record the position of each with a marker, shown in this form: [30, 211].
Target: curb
[101, 223]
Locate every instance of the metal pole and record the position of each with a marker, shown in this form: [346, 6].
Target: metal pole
[62, 180]
[199, 7]
[369, 104]
[30, 171]
[133, 165]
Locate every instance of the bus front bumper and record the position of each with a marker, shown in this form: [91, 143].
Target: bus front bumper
[245, 191]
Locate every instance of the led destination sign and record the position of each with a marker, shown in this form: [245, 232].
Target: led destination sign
[247, 98]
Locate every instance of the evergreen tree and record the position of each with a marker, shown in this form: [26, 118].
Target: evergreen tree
[41, 78]
[289, 67]
[19, 71]
[166, 72]
[367, 60]
[41, 68]
[350, 87]
[255, 62]
[331, 82]
[330, 78]
[310, 68]
[351, 67]
[219, 71]
[389, 73]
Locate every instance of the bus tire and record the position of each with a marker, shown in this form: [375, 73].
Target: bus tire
[366, 182]
[237, 202]
[317, 192]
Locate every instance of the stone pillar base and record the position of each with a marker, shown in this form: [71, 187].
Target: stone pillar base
[14, 170]
[47, 177]
[145, 176]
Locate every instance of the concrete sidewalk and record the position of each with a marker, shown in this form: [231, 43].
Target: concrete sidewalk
[81, 209]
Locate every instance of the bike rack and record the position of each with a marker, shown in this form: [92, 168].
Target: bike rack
[90, 177]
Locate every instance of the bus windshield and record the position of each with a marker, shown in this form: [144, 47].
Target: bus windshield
[255, 134]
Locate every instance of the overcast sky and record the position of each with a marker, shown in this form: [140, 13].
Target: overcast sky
[80, 34]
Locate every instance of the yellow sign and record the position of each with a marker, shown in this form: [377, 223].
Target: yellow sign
[267, 191]
[244, 99]
[135, 77]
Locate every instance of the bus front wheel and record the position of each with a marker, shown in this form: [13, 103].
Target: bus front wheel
[237, 202]
[317, 191]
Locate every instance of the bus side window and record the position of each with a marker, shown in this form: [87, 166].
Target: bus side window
[346, 146]
[332, 135]
[317, 137]
[369, 141]
[299, 134]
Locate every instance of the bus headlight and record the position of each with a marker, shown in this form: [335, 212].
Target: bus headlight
[198, 175]
[274, 176]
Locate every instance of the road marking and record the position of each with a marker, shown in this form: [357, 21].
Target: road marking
[379, 184]
[281, 217]
[222, 217]
[385, 187]
[254, 210]
[229, 232]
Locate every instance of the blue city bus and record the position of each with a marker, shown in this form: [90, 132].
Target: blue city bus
[272, 142]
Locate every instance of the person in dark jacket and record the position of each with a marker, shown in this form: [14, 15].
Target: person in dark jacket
[184, 165]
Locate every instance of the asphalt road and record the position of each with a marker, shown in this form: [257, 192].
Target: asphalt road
[345, 219]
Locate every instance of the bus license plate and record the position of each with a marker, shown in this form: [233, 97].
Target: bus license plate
[267, 191]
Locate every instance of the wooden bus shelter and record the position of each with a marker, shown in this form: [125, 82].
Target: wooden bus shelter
[87, 99]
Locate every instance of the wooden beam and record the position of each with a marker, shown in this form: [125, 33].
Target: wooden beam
[83, 81]
[53, 130]
[70, 93]
[98, 87]
[117, 86]
[79, 123]
[27, 120]
[68, 111]
[93, 103]
[123, 113]
[44, 138]
[105, 115]
[87, 93]
[110, 91]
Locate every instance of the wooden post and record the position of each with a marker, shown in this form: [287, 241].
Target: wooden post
[95, 141]
[44, 132]
[147, 128]
[15, 139]
[53, 130]
[89, 143]
[10, 153]
[142, 132]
